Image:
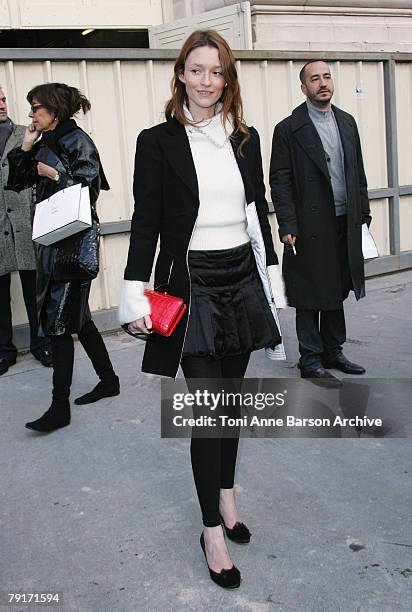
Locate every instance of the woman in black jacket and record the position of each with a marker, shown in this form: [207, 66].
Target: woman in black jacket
[65, 155]
[198, 185]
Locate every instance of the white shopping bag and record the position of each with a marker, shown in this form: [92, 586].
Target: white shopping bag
[65, 213]
[369, 248]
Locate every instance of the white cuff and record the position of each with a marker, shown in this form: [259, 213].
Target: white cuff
[133, 303]
[278, 288]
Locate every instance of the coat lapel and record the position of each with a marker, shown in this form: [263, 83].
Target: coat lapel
[244, 166]
[345, 126]
[12, 142]
[177, 149]
[308, 138]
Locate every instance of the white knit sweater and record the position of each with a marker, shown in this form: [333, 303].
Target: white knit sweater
[221, 221]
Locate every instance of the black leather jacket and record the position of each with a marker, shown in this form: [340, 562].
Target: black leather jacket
[62, 307]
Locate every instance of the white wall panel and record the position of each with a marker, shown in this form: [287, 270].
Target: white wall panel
[380, 225]
[404, 119]
[116, 247]
[406, 222]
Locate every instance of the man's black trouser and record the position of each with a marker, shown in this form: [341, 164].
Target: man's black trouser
[321, 333]
[28, 284]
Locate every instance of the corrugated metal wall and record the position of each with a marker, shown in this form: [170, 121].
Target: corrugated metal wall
[128, 95]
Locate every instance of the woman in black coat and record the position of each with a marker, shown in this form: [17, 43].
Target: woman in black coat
[198, 186]
[65, 155]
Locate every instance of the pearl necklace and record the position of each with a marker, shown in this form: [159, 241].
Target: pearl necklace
[218, 145]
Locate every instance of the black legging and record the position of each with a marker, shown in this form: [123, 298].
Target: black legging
[63, 359]
[213, 459]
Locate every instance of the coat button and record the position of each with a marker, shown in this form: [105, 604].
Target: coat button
[6, 233]
[9, 210]
[4, 164]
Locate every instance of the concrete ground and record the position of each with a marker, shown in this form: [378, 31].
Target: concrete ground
[105, 511]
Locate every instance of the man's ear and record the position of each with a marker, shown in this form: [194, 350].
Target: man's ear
[304, 89]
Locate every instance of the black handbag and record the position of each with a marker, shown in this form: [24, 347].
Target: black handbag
[77, 257]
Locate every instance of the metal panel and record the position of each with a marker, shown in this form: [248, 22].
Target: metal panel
[387, 265]
[392, 155]
[403, 77]
[232, 22]
[405, 209]
[380, 225]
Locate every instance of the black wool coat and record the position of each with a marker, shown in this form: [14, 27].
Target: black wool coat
[303, 199]
[166, 206]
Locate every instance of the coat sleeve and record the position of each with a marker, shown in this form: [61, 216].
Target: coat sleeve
[84, 163]
[147, 191]
[363, 184]
[281, 183]
[22, 169]
[262, 208]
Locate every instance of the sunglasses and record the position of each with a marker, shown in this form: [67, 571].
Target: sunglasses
[35, 107]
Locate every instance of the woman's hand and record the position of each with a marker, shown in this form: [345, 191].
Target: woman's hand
[143, 325]
[45, 170]
[30, 137]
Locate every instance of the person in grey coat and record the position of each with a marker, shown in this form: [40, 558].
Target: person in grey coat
[16, 251]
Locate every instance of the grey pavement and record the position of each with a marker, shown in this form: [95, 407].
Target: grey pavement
[105, 511]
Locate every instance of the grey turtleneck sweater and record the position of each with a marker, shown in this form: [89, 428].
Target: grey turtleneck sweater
[327, 128]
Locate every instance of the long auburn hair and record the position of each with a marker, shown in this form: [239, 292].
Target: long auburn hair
[230, 98]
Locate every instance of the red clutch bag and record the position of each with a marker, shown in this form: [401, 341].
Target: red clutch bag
[165, 311]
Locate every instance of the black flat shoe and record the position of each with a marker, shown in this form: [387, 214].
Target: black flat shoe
[226, 578]
[5, 364]
[44, 356]
[101, 390]
[239, 532]
[54, 418]
[344, 365]
[321, 376]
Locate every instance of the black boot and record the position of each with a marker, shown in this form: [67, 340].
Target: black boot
[95, 348]
[57, 416]
[105, 388]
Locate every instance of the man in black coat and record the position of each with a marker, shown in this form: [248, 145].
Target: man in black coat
[319, 191]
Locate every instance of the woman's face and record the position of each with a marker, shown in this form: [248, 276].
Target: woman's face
[43, 120]
[204, 81]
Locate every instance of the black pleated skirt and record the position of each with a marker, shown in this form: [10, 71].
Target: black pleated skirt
[229, 313]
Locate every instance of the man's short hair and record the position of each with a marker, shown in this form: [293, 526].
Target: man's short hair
[302, 73]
